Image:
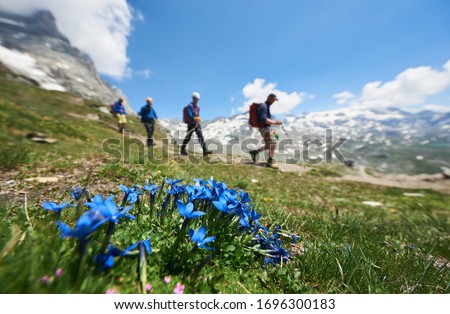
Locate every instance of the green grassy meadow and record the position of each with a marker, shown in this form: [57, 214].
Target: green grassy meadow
[344, 246]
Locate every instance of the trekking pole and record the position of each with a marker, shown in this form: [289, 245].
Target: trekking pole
[285, 131]
[193, 129]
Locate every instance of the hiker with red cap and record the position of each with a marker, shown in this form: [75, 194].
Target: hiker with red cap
[265, 121]
[148, 117]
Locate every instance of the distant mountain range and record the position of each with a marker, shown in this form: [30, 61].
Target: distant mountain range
[386, 140]
[32, 47]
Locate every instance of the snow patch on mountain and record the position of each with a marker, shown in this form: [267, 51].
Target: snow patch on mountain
[24, 64]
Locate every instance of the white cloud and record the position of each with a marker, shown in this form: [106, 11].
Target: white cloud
[258, 90]
[410, 88]
[130, 73]
[437, 108]
[343, 97]
[100, 28]
[137, 14]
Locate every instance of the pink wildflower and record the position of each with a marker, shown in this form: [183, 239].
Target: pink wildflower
[58, 272]
[148, 287]
[179, 289]
[111, 291]
[45, 279]
[167, 279]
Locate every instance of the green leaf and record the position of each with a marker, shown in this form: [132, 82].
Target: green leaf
[230, 248]
[15, 237]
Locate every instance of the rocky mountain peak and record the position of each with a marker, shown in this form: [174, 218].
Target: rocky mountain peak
[40, 23]
[33, 47]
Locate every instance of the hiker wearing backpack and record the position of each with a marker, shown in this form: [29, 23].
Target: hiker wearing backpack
[120, 113]
[191, 116]
[148, 117]
[261, 118]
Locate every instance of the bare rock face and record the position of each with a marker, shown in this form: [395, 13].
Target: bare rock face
[32, 47]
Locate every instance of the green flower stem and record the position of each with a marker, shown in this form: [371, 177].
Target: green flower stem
[108, 235]
[79, 208]
[124, 200]
[152, 206]
[199, 267]
[164, 208]
[82, 249]
[160, 190]
[180, 236]
[142, 268]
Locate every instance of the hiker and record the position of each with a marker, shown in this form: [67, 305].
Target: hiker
[148, 117]
[120, 113]
[265, 122]
[191, 116]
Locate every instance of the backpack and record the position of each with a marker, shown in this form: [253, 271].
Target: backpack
[185, 115]
[253, 119]
[144, 114]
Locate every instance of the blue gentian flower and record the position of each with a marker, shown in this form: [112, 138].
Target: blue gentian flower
[85, 225]
[176, 189]
[245, 197]
[173, 182]
[199, 182]
[194, 192]
[108, 208]
[111, 211]
[244, 222]
[254, 216]
[217, 187]
[207, 194]
[271, 248]
[54, 207]
[107, 259]
[98, 202]
[187, 211]
[294, 238]
[152, 189]
[131, 194]
[198, 237]
[77, 193]
[145, 243]
[224, 203]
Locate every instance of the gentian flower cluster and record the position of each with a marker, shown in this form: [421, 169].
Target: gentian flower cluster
[211, 214]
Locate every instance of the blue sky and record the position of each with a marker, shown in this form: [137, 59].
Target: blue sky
[317, 55]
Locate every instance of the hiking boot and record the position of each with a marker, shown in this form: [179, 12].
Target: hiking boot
[207, 152]
[183, 152]
[253, 154]
[270, 162]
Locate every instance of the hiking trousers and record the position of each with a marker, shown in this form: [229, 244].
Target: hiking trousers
[149, 127]
[191, 129]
